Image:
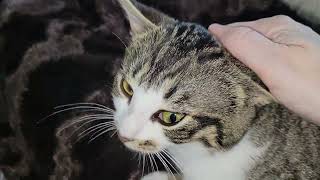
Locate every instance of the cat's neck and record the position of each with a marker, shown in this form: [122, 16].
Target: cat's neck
[198, 162]
[271, 120]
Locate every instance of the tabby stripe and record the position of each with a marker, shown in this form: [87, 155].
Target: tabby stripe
[171, 92]
[205, 57]
[173, 73]
[181, 28]
[207, 121]
[138, 67]
[182, 99]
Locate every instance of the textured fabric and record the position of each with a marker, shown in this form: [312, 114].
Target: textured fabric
[2, 176]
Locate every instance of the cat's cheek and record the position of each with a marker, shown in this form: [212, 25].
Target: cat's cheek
[121, 106]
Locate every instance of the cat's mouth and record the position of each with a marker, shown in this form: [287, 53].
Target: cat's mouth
[144, 146]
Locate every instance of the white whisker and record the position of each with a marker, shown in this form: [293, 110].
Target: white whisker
[104, 132]
[84, 109]
[84, 103]
[95, 130]
[151, 162]
[143, 161]
[97, 125]
[174, 160]
[115, 132]
[87, 119]
[139, 159]
[100, 130]
[120, 39]
[92, 129]
[165, 160]
[164, 163]
[135, 155]
[155, 162]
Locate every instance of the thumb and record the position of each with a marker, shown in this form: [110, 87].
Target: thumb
[249, 46]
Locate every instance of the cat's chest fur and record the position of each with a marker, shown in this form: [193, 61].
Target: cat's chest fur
[198, 163]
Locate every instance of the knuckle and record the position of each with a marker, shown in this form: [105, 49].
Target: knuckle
[244, 32]
[237, 36]
[234, 34]
[283, 19]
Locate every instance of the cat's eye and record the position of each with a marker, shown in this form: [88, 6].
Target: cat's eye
[170, 118]
[126, 88]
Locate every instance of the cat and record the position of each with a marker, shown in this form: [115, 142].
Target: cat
[180, 95]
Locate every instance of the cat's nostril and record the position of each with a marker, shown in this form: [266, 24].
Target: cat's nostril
[124, 139]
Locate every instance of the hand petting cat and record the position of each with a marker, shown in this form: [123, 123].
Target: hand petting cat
[285, 55]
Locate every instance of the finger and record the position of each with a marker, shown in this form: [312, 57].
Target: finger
[252, 48]
[268, 26]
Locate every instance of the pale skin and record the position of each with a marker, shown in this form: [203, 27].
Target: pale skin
[285, 55]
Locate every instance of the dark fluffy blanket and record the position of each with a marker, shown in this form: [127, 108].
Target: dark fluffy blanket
[55, 52]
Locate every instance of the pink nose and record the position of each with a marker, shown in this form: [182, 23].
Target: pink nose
[124, 139]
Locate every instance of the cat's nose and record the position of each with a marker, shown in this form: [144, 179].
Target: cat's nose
[124, 139]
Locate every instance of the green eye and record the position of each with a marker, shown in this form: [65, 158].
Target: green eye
[170, 118]
[126, 88]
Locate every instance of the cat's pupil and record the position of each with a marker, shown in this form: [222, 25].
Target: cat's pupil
[173, 118]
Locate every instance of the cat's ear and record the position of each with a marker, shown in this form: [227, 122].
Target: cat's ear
[141, 17]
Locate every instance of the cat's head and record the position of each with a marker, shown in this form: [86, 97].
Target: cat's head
[177, 84]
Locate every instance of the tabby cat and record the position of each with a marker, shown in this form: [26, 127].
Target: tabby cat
[181, 96]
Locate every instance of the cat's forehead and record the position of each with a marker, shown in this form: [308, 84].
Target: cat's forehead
[178, 60]
[169, 51]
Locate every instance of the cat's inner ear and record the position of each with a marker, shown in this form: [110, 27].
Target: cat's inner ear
[138, 22]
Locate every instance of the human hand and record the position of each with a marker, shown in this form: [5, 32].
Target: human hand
[284, 54]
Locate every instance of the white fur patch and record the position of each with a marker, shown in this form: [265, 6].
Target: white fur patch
[200, 164]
